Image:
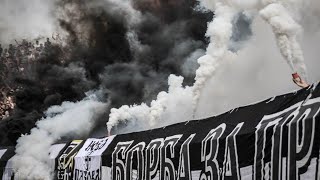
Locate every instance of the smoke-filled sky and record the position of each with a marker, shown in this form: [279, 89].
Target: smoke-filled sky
[128, 50]
[253, 72]
[122, 52]
[259, 71]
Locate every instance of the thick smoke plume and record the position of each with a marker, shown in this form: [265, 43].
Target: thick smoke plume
[219, 31]
[128, 49]
[257, 71]
[125, 48]
[274, 13]
[68, 120]
[286, 31]
[160, 112]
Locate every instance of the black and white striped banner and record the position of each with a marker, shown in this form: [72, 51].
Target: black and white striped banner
[278, 138]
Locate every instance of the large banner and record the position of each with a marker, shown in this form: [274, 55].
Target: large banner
[276, 139]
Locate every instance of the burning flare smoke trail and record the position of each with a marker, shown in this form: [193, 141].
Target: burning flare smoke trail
[129, 57]
[111, 26]
[286, 31]
[220, 31]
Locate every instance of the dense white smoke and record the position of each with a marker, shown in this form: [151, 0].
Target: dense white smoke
[176, 101]
[217, 89]
[284, 27]
[219, 31]
[286, 31]
[68, 120]
[224, 80]
[257, 71]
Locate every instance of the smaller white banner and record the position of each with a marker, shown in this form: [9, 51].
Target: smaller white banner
[88, 160]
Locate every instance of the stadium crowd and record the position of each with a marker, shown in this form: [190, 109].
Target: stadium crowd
[17, 60]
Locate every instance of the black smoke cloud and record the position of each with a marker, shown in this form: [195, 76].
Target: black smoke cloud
[98, 54]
